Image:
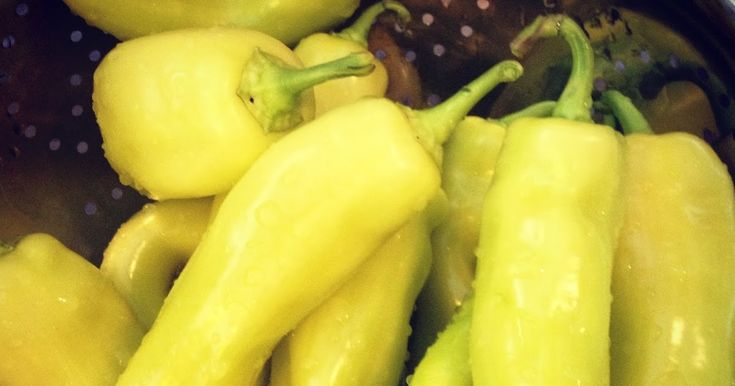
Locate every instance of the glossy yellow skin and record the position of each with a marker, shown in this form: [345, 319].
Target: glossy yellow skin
[61, 321]
[447, 361]
[171, 121]
[673, 288]
[544, 261]
[286, 20]
[285, 238]
[149, 249]
[467, 171]
[323, 47]
[360, 334]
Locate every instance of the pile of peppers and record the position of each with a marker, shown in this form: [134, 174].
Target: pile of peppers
[304, 229]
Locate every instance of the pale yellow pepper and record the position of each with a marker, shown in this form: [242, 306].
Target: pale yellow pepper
[61, 322]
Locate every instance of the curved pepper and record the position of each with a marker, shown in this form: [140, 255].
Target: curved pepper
[447, 360]
[61, 321]
[469, 164]
[286, 20]
[309, 211]
[147, 251]
[548, 233]
[356, 337]
[184, 113]
[673, 291]
[323, 47]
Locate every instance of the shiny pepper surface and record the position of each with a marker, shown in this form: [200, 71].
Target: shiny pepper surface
[149, 249]
[61, 321]
[673, 288]
[333, 345]
[545, 256]
[184, 113]
[286, 20]
[289, 221]
[358, 336]
[308, 213]
[549, 229]
[470, 154]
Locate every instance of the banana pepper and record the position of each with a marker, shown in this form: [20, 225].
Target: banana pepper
[61, 321]
[286, 20]
[146, 253]
[673, 291]
[310, 210]
[548, 232]
[469, 164]
[324, 47]
[356, 337]
[447, 360]
[184, 113]
[442, 318]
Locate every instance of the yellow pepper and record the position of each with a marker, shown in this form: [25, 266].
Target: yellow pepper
[184, 113]
[293, 229]
[286, 20]
[469, 164]
[324, 47]
[673, 290]
[147, 251]
[61, 321]
[357, 336]
[549, 228]
[447, 360]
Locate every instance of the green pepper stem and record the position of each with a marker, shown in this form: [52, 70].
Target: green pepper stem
[540, 109]
[272, 90]
[630, 118]
[575, 101]
[435, 124]
[359, 30]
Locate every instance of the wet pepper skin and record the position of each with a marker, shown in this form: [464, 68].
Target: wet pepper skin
[358, 336]
[147, 251]
[467, 170]
[673, 290]
[301, 221]
[470, 154]
[549, 229]
[286, 20]
[165, 102]
[252, 278]
[673, 285]
[548, 234]
[61, 321]
[184, 113]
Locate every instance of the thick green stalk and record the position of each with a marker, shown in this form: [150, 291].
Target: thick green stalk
[272, 90]
[575, 101]
[435, 124]
[359, 30]
[629, 117]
